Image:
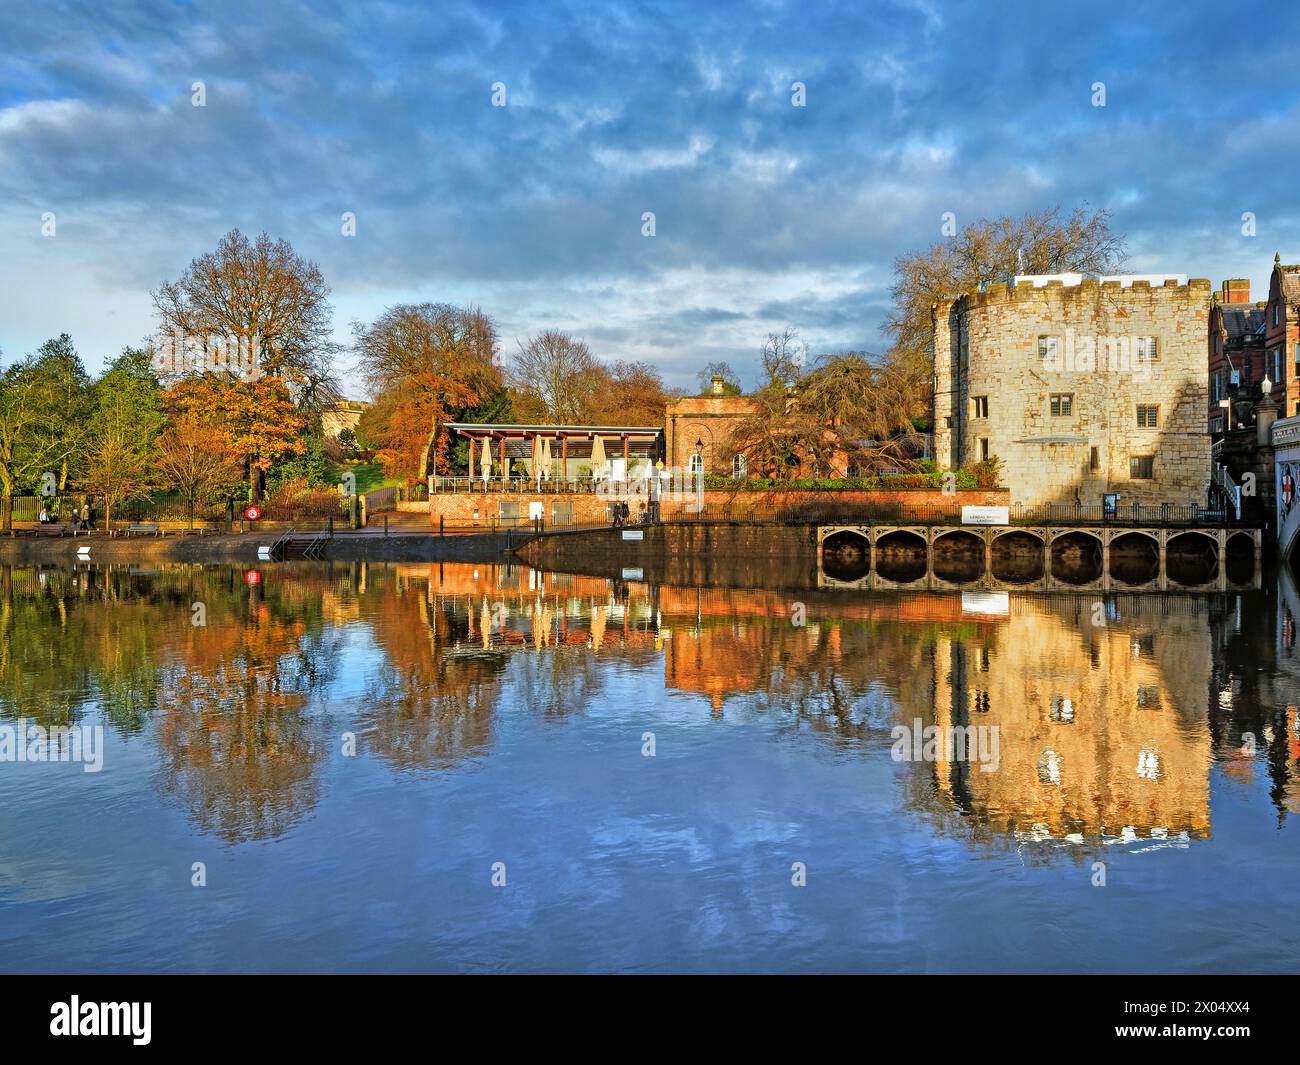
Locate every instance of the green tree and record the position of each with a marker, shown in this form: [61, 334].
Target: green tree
[30, 446]
[124, 426]
[66, 387]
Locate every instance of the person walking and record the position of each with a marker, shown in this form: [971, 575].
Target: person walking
[85, 516]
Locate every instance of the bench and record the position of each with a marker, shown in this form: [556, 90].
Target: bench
[143, 528]
[50, 529]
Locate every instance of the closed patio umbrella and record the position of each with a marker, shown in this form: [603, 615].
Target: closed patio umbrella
[485, 459]
[537, 457]
[546, 457]
[598, 458]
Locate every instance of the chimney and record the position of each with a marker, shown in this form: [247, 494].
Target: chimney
[1236, 291]
[717, 384]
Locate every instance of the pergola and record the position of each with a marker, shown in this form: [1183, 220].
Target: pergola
[513, 442]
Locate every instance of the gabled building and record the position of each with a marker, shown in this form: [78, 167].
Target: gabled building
[1236, 355]
[1282, 336]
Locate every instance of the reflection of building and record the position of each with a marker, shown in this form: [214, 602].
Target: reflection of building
[1081, 387]
[1101, 728]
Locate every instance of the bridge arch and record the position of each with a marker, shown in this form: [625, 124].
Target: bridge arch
[1239, 557]
[1192, 557]
[957, 556]
[1076, 556]
[1135, 557]
[900, 555]
[1018, 556]
[846, 555]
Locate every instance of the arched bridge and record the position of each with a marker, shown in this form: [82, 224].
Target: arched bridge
[1037, 557]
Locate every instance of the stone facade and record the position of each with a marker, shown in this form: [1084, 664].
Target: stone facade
[1082, 390]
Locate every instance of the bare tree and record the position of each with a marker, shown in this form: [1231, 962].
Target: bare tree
[428, 338]
[730, 381]
[850, 413]
[992, 250]
[264, 302]
[784, 357]
[557, 377]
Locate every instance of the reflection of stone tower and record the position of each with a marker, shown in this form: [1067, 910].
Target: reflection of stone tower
[1100, 729]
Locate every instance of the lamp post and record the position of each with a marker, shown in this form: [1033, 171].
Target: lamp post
[1226, 404]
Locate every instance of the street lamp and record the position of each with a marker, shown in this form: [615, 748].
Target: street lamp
[1226, 404]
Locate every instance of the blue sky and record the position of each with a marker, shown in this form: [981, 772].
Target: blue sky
[766, 214]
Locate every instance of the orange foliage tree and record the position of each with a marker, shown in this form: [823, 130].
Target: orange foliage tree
[258, 417]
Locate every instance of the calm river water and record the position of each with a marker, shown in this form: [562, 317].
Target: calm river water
[415, 767]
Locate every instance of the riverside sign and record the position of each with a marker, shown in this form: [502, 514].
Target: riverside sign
[985, 515]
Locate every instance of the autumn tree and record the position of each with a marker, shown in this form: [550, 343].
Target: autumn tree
[258, 417]
[1042, 242]
[198, 460]
[556, 379]
[265, 303]
[630, 393]
[423, 364]
[126, 419]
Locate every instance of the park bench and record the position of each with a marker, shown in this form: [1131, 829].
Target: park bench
[51, 529]
[143, 528]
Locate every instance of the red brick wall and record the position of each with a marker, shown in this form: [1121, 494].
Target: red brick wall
[482, 509]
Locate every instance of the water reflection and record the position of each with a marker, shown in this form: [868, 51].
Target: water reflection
[1110, 711]
[498, 712]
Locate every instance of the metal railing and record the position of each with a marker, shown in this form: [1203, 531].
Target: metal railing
[824, 511]
[578, 486]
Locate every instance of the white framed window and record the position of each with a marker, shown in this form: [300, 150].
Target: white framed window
[695, 464]
[1047, 348]
[739, 467]
[1146, 348]
[981, 406]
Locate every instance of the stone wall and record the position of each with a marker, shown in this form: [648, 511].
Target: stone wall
[737, 554]
[993, 384]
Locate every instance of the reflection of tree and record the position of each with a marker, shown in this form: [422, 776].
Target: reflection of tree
[240, 745]
[432, 704]
[232, 697]
[558, 681]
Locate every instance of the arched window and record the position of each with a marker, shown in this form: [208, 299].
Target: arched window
[739, 468]
[696, 463]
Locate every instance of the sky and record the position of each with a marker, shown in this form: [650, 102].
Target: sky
[766, 214]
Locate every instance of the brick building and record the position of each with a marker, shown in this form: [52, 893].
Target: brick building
[1083, 388]
[698, 429]
[1282, 336]
[1236, 355]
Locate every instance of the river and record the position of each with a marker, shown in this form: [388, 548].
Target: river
[448, 767]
